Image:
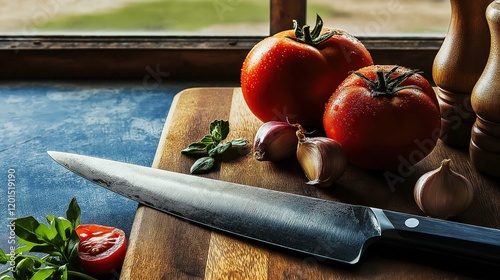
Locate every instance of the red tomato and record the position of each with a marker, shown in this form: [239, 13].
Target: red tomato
[102, 249]
[385, 117]
[291, 75]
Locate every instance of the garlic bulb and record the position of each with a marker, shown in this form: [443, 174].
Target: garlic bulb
[443, 193]
[322, 159]
[275, 141]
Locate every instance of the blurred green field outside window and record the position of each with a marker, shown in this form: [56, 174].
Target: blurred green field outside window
[215, 17]
[385, 17]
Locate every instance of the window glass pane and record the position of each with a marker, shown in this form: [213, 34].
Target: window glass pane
[170, 17]
[383, 17]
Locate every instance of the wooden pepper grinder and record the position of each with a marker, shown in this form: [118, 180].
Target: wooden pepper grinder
[457, 67]
[485, 139]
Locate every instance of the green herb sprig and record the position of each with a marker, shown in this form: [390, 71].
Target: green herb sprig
[58, 240]
[211, 146]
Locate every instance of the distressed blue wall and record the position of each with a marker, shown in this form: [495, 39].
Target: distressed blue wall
[118, 121]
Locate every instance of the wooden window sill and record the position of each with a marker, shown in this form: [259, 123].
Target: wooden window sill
[132, 57]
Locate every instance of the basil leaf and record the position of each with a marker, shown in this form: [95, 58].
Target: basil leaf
[73, 213]
[27, 246]
[44, 232]
[25, 266]
[202, 165]
[207, 140]
[71, 250]
[63, 227]
[38, 248]
[57, 239]
[50, 234]
[3, 257]
[38, 262]
[219, 149]
[32, 247]
[195, 148]
[63, 272]
[26, 229]
[240, 142]
[219, 129]
[43, 273]
[211, 145]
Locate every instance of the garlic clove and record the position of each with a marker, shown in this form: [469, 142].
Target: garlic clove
[322, 159]
[443, 193]
[275, 141]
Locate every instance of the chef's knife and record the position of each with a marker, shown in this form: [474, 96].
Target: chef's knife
[317, 227]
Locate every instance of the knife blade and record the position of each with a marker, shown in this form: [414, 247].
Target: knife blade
[322, 228]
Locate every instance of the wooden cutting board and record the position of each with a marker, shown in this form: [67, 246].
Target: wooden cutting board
[165, 247]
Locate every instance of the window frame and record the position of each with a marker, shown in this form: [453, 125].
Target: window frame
[178, 57]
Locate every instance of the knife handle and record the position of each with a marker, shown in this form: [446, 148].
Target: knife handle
[442, 236]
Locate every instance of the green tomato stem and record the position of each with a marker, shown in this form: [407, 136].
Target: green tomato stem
[314, 37]
[384, 85]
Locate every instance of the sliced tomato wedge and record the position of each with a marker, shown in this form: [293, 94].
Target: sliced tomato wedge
[102, 249]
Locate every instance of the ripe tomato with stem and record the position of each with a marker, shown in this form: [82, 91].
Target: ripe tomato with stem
[384, 116]
[290, 76]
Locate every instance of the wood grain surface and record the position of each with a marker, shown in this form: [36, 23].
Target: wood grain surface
[165, 247]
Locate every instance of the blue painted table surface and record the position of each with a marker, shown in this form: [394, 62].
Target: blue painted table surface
[115, 120]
